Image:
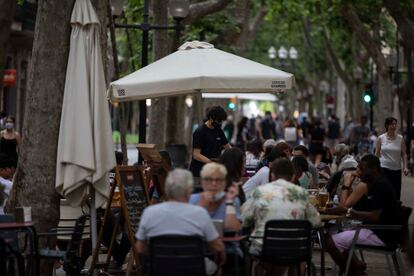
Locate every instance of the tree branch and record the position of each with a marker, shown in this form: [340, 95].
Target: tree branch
[254, 25]
[366, 39]
[199, 10]
[249, 29]
[335, 61]
[405, 25]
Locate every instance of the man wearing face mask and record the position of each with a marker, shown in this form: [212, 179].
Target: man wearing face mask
[208, 140]
[10, 140]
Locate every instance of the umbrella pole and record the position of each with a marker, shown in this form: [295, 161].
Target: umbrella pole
[93, 220]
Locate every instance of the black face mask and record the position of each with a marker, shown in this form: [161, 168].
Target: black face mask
[216, 125]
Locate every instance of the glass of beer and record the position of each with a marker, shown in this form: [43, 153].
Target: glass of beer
[323, 198]
[313, 200]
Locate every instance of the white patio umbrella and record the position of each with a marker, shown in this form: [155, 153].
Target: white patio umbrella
[85, 149]
[198, 66]
[241, 96]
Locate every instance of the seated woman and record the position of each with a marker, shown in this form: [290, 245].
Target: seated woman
[303, 177]
[253, 154]
[234, 159]
[263, 175]
[267, 148]
[219, 204]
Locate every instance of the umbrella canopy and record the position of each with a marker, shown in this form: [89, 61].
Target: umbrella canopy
[85, 148]
[198, 66]
[241, 96]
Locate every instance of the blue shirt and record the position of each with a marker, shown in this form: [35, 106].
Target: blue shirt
[220, 212]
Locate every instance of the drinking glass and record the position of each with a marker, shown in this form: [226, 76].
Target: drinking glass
[323, 199]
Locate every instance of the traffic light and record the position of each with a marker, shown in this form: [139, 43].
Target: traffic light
[232, 104]
[369, 96]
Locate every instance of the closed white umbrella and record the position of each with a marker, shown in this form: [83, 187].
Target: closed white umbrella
[85, 148]
[198, 66]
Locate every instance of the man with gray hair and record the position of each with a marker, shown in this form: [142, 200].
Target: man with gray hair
[176, 217]
[343, 159]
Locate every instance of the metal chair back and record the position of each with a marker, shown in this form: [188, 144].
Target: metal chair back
[178, 154]
[176, 256]
[287, 242]
[10, 236]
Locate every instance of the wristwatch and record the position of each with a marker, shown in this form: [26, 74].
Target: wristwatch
[348, 212]
[229, 202]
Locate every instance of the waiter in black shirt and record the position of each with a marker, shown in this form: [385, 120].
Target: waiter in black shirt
[208, 140]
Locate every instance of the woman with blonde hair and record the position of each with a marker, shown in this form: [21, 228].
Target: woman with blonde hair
[219, 204]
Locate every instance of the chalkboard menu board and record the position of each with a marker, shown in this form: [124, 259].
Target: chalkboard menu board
[134, 195]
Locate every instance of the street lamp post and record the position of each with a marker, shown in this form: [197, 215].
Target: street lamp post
[272, 55]
[293, 55]
[282, 53]
[179, 9]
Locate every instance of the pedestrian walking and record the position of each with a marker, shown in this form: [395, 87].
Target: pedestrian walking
[10, 140]
[267, 127]
[242, 136]
[291, 133]
[305, 127]
[252, 127]
[317, 138]
[390, 148]
[359, 135]
[228, 128]
[333, 134]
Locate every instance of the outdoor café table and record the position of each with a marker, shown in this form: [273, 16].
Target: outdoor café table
[231, 243]
[27, 227]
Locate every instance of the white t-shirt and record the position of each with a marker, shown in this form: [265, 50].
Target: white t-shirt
[260, 178]
[176, 218]
[290, 134]
[7, 187]
[390, 152]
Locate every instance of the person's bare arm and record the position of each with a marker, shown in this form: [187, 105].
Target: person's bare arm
[231, 221]
[406, 171]
[378, 147]
[218, 248]
[350, 199]
[370, 217]
[227, 146]
[199, 157]
[141, 247]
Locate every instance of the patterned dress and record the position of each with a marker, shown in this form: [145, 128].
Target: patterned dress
[276, 200]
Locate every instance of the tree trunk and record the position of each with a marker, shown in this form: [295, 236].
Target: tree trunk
[161, 47]
[123, 108]
[34, 183]
[403, 18]
[7, 11]
[383, 105]
[384, 99]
